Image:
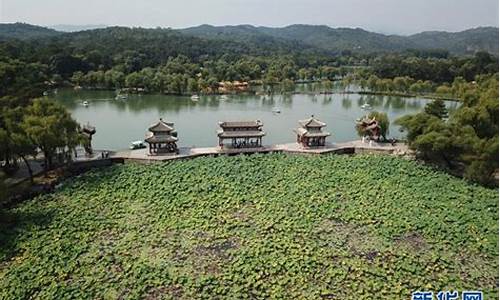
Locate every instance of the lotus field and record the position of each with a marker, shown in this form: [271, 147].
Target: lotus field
[253, 227]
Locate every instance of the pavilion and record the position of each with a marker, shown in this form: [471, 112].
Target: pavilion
[243, 134]
[369, 127]
[162, 138]
[310, 133]
[87, 132]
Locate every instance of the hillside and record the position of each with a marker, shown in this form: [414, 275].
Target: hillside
[253, 227]
[25, 31]
[338, 39]
[151, 45]
[468, 41]
[322, 37]
[295, 38]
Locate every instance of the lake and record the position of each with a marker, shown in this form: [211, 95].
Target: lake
[119, 122]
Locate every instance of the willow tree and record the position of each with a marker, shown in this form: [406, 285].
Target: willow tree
[50, 127]
[15, 143]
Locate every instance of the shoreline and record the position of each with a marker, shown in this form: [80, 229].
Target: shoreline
[264, 93]
[48, 182]
[351, 147]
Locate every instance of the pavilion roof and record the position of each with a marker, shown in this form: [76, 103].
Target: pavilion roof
[162, 126]
[243, 124]
[151, 138]
[312, 122]
[304, 132]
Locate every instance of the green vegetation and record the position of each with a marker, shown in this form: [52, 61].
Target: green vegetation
[189, 61]
[179, 62]
[25, 31]
[270, 226]
[359, 40]
[405, 74]
[468, 140]
[38, 125]
[383, 125]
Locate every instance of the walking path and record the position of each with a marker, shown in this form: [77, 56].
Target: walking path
[142, 155]
[185, 152]
[37, 165]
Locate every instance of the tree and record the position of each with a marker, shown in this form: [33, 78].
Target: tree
[192, 85]
[287, 86]
[15, 139]
[363, 127]
[437, 108]
[327, 85]
[468, 140]
[50, 127]
[383, 122]
[77, 78]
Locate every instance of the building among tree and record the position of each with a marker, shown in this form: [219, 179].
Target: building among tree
[162, 138]
[242, 134]
[310, 133]
[369, 127]
[232, 86]
[88, 131]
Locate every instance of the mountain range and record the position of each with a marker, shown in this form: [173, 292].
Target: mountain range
[318, 37]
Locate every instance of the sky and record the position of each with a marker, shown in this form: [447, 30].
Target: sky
[385, 16]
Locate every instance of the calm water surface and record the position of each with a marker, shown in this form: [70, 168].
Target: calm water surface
[119, 122]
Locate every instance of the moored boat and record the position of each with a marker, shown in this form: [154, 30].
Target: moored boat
[137, 145]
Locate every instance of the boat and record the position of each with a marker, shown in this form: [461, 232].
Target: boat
[366, 106]
[195, 97]
[223, 98]
[85, 103]
[276, 110]
[121, 97]
[137, 145]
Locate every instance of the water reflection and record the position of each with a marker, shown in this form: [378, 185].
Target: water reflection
[346, 103]
[119, 122]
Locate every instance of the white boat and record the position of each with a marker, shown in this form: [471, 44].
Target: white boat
[137, 145]
[366, 106]
[85, 103]
[195, 97]
[276, 110]
[223, 97]
[121, 97]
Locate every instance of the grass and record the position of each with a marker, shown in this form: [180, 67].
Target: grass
[253, 227]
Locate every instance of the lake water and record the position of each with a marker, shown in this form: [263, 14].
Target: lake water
[119, 122]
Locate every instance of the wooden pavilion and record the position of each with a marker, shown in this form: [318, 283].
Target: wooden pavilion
[242, 134]
[310, 133]
[162, 138]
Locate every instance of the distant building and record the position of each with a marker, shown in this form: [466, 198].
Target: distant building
[233, 86]
[242, 134]
[162, 138]
[310, 133]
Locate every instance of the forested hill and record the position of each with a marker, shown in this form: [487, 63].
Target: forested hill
[319, 36]
[248, 39]
[467, 41]
[25, 31]
[338, 39]
[152, 43]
